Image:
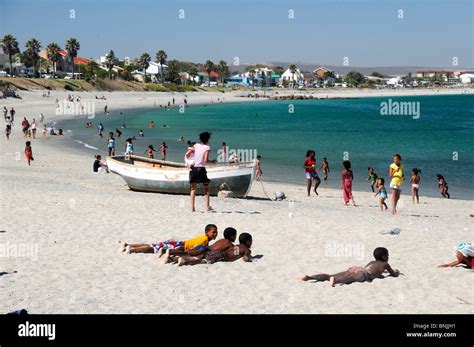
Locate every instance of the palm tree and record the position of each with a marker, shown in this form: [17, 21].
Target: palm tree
[293, 69]
[32, 49]
[72, 46]
[53, 54]
[172, 73]
[209, 66]
[223, 70]
[144, 62]
[161, 59]
[193, 72]
[110, 61]
[10, 47]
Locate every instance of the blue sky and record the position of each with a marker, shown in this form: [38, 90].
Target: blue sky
[368, 32]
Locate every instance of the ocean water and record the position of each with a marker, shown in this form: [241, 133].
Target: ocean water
[440, 140]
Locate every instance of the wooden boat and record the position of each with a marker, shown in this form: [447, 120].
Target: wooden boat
[151, 175]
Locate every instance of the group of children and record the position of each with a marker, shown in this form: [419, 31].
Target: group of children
[197, 250]
[377, 184]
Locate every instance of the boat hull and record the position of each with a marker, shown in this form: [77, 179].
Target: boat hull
[173, 178]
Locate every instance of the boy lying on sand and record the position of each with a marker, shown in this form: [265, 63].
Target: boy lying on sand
[464, 256]
[372, 270]
[231, 254]
[230, 234]
[186, 245]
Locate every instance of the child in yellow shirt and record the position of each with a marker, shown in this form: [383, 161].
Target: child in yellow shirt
[210, 233]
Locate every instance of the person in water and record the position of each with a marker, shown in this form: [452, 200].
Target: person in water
[346, 183]
[443, 186]
[396, 175]
[382, 192]
[415, 181]
[310, 172]
[371, 271]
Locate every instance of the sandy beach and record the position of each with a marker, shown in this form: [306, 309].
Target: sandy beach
[61, 225]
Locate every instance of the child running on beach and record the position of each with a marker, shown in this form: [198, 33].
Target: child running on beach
[371, 271]
[28, 152]
[396, 174]
[325, 168]
[310, 172]
[464, 256]
[372, 178]
[382, 192]
[415, 185]
[242, 250]
[210, 233]
[163, 149]
[346, 183]
[111, 144]
[443, 186]
[258, 168]
[150, 151]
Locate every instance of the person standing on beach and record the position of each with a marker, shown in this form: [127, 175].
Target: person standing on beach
[111, 144]
[128, 146]
[8, 130]
[224, 151]
[33, 128]
[41, 116]
[258, 168]
[346, 184]
[12, 115]
[163, 149]
[443, 186]
[310, 172]
[415, 185]
[5, 113]
[198, 173]
[325, 168]
[372, 178]
[28, 152]
[396, 174]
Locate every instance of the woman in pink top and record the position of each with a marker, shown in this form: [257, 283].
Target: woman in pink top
[198, 173]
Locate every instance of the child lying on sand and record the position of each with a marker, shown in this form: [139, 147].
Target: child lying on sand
[186, 245]
[230, 254]
[464, 256]
[171, 255]
[372, 270]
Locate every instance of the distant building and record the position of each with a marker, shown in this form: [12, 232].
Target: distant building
[322, 72]
[239, 80]
[395, 82]
[65, 63]
[296, 78]
[467, 78]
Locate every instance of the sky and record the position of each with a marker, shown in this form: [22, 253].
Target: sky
[431, 33]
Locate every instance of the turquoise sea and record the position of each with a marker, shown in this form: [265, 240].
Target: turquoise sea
[441, 140]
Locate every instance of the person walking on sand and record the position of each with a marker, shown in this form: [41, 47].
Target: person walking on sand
[325, 167]
[12, 115]
[5, 113]
[28, 152]
[443, 186]
[100, 129]
[8, 130]
[198, 173]
[415, 185]
[346, 183]
[310, 172]
[396, 174]
[163, 149]
[33, 128]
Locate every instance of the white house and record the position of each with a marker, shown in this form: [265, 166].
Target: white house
[295, 78]
[467, 78]
[395, 82]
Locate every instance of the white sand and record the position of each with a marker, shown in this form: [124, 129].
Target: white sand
[73, 220]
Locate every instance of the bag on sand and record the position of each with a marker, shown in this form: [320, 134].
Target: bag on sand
[225, 193]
